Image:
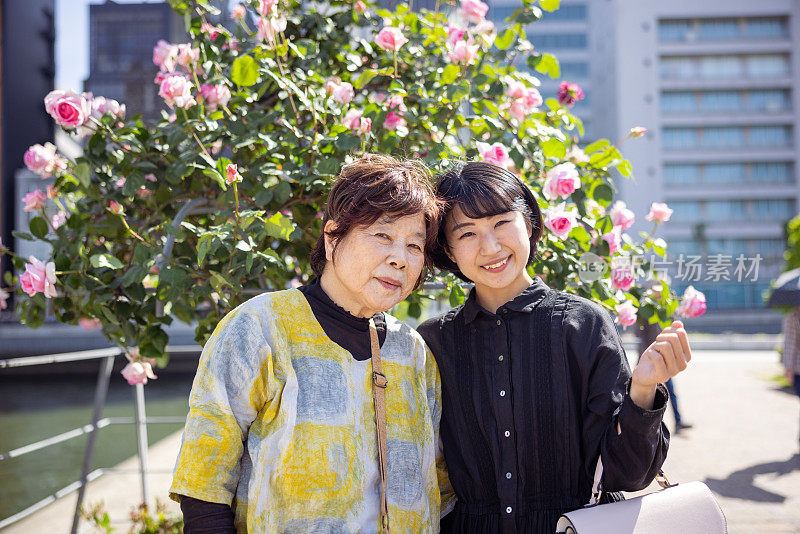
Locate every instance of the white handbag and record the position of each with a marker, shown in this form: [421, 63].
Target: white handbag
[677, 508]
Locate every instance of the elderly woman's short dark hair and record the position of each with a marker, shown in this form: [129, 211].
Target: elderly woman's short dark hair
[372, 186]
[482, 189]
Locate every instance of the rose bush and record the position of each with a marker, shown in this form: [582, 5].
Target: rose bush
[220, 199]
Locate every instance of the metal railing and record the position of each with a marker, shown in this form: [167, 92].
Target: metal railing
[140, 419]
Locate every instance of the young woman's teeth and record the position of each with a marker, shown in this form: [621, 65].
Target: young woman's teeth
[496, 265]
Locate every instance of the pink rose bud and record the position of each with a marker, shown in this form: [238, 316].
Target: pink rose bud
[39, 277]
[659, 212]
[614, 240]
[215, 96]
[165, 56]
[560, 221]
[360, 6]
[474, 10]
[637, 131]
[3, 298]
[693, 303]
[562, 180]
[58, 220]
[268, 28]
[89, 324]
[43, 160]
[34, 200]
[69, 109]
[396, 102]
[343, 93]
[576, 155]
[365, 125]
[102, 106]
[52, 192]
[626, 314]
[462, 52]
[622, 277]
[267, 8]
[621, 216]
[120, 182]
[150, 177]
[569, 93]
[115, 208]
[210, 30]
[176, 90]
[232, 174]
[390, 38]
[496, 153]
[393, 121]
[238, 12]
[137, 373]
[352, 119]
[187, 55]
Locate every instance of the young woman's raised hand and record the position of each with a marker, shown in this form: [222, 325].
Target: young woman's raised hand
[664, 358]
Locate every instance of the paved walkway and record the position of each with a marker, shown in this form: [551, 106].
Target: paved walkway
[744, 445]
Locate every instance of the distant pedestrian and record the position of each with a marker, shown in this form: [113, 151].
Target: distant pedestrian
[791, 348]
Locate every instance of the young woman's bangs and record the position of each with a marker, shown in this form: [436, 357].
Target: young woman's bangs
[477, 200]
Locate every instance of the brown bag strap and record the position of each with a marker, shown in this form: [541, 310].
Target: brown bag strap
[379, 384]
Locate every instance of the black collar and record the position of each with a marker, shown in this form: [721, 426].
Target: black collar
[524, 302]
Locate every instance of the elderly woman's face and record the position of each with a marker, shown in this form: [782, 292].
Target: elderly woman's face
[375, 267]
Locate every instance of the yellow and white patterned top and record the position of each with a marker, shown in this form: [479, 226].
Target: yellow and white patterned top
[281, 426]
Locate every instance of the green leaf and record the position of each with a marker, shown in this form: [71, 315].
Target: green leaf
[203, 246]
[83, 173]
[624, 168]
[347, 142]
[279, 226]
[282, 192]
[105, 260]
[554, 148]
[548, 64]
[504, 41]
[329, 166]
[38, 227]
[22, 235]
[456, 295]
[365, 78]
[549, 5]
[449, 74]
[598, 145]
[603, 193]
[244, 71]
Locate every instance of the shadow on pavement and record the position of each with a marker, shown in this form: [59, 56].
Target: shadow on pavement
[740, 484]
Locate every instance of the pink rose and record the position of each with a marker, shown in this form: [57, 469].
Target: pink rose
[626, 314]
[562, 180]
[69, 109]
[365, 125]
[52, 192]
[165, 56]
[455, 33]
[176, 90]
[150, 177]
[210, 30]
[474, 10]
[560, 221]
[267, 8]
[390, 38]
[102, 105]
[115, 208]
[58, 220]
[462, 52]
[343, 93]
[486, 29]
[576, 155]
[659, 212]
[238, 12]
[187, 55]
[393, 121]
[232, 174]
[120, 182]
[215, 96]
[39, 277]
[496, 153]
[137, 373]
[637, 131]
[622, 277]
[621, 216]
[268, 28]
[693, 303]
[43, 160]
[569, 93]
[34, 200]
[352, 119]
[89, 324]
[396, 102]
[3, 298]
[360, 6]
[614, 240]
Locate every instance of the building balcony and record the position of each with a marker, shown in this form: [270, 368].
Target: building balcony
[727, 84]
[743, 118]
[730, 155]
[737, 46]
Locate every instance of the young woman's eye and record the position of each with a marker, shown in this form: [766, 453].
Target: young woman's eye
[466, 234]
[501, 222]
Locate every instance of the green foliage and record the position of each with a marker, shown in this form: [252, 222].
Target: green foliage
[285, 132]
[792, 254]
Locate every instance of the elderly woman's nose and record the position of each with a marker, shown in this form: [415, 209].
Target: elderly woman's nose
[398, 256]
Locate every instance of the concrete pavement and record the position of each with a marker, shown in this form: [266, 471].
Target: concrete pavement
[744, 445]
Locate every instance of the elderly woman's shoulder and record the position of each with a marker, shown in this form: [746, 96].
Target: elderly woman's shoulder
[271, 303]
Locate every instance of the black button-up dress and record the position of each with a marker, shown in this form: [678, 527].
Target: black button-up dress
[531, 395]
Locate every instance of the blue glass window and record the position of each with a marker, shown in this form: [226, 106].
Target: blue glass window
[724, 137]
[680, 68]
[674, 30]
[722, 173]
[772, 172]
[567, 12]
[769, 101]
[685, 210]
[725, 210]
[767, 65]
[770, 209]
[680, 138]
[770, 136]
[721, 101]
[678, 102]
[718, 29]
[767, 28]
[681, 174]
[571, 70]
[720, 67]
[559, 41]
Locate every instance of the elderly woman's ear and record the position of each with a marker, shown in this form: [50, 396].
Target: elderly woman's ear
[330, 242]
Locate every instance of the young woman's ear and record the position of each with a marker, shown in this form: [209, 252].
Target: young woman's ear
[330, 242]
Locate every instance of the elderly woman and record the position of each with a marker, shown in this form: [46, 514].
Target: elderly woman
[285, 424]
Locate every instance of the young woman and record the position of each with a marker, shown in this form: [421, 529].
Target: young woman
[535, 382]
[281, 434]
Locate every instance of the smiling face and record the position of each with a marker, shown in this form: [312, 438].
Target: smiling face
[491, 251]
[374, 267]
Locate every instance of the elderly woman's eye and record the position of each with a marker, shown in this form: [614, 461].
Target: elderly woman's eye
[382, 235]
[415, 247]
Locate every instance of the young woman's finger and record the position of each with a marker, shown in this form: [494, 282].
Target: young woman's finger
[667, 356]
[677, 349]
